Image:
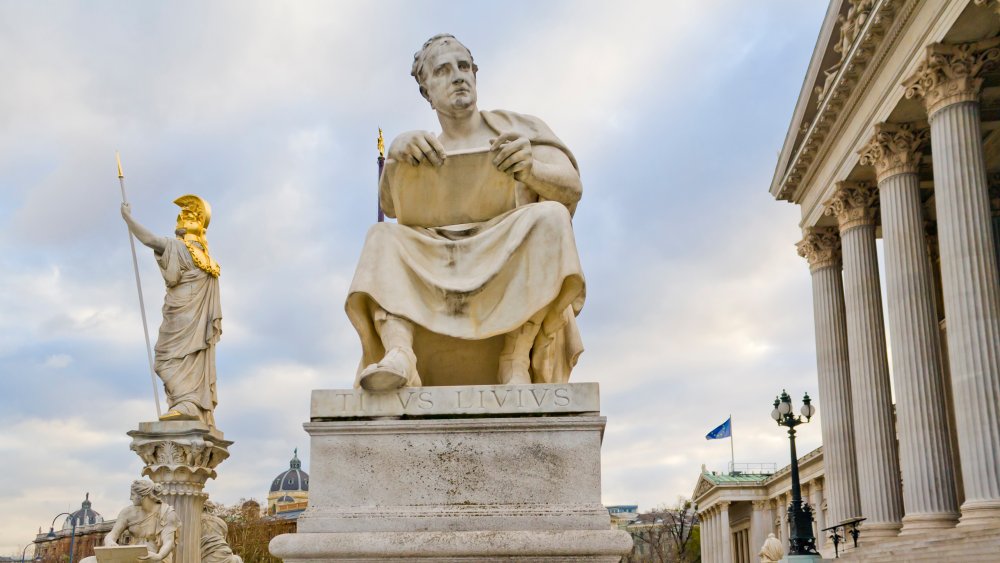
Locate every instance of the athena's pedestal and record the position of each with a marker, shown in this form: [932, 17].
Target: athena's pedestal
[471, 473]
[181, 456]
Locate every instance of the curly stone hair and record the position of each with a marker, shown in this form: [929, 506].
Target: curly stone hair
[147, 488]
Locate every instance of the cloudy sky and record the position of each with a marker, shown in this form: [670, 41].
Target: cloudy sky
[698, 306]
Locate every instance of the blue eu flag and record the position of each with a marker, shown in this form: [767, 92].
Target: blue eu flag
[724, 430]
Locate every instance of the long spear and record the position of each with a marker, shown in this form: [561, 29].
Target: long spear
[138, 287]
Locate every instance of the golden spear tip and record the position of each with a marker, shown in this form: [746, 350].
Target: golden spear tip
[118, 158]
[381, 144]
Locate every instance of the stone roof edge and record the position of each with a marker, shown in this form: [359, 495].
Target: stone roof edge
[806, 95]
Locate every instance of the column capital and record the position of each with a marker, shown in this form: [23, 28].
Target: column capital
[853, 204]
[724, 504]
[820, 246]
[761, 504]
[950, 73]
[895, 148]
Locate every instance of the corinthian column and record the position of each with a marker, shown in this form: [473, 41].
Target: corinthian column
[821, 247]
[854, 205]
[921, 410]
[949, 83]
[995, 210]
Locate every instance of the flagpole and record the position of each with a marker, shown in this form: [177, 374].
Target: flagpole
[732, 449]
[138, 287]
[381, 163]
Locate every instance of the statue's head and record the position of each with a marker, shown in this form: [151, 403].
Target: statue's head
[143, 489]
[194, 217]
[446, 73]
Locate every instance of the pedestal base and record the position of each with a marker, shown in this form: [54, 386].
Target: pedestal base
[546, 546]
[456, 484]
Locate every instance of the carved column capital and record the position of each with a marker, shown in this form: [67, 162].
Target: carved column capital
[853, 204]
[950, 73]
[761, 504]
[179, 455]
[820, 246]
[894, 149]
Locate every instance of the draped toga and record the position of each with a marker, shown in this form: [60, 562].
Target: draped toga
[192, 324]
[465, 286]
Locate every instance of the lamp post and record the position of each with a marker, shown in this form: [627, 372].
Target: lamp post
[34, 557]
[72, 537]
[801, 540]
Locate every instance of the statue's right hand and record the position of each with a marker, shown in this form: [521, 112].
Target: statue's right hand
[126, 211]
[416, 147]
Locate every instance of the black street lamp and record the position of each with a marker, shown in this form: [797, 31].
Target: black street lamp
[801, 540]
[72, 538]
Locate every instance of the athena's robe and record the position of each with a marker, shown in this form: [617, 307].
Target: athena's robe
[192, 324]
[465, 286]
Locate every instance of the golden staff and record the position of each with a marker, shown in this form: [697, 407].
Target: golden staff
[138, 287]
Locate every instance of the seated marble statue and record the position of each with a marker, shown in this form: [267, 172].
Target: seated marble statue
[214, 548]
[149, 521]
[480, 284]
[192, 314]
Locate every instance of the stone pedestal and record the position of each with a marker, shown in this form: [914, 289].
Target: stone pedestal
[181, 456]
[470, 473]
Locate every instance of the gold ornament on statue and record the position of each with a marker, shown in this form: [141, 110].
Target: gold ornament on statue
[192, 222]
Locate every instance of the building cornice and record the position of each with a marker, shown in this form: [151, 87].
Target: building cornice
[844, 87]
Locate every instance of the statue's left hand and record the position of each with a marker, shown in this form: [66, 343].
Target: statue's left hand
[151, 557]
[512, 155]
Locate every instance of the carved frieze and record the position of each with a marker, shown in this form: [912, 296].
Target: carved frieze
[854, 204]
[820, 247]
[894, 149]
[879, 25]
[951, 73]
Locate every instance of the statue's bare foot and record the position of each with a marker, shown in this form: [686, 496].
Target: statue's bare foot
[513, 371]
[177, 415]
[397, 369]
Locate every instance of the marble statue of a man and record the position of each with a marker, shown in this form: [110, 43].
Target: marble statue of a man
[192, 314]
[483, 287]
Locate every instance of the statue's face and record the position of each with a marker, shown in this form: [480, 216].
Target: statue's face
[450, 81]
[189, 220]
[136, 498]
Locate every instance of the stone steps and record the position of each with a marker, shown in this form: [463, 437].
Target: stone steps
[958, 545]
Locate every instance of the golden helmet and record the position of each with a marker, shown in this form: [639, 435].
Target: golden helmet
[197, 205]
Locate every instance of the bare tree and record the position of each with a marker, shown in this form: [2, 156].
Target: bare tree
[666, 535]
[250, 531]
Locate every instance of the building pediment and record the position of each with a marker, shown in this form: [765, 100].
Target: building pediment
[852, 44]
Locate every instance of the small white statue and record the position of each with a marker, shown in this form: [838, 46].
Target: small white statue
[214, 548]
[771, 551]
[149, 521]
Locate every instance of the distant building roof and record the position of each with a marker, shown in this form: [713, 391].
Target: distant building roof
[86, 516]
[294, 479]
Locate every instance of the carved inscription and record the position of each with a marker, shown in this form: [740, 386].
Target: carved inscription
[459, 400]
